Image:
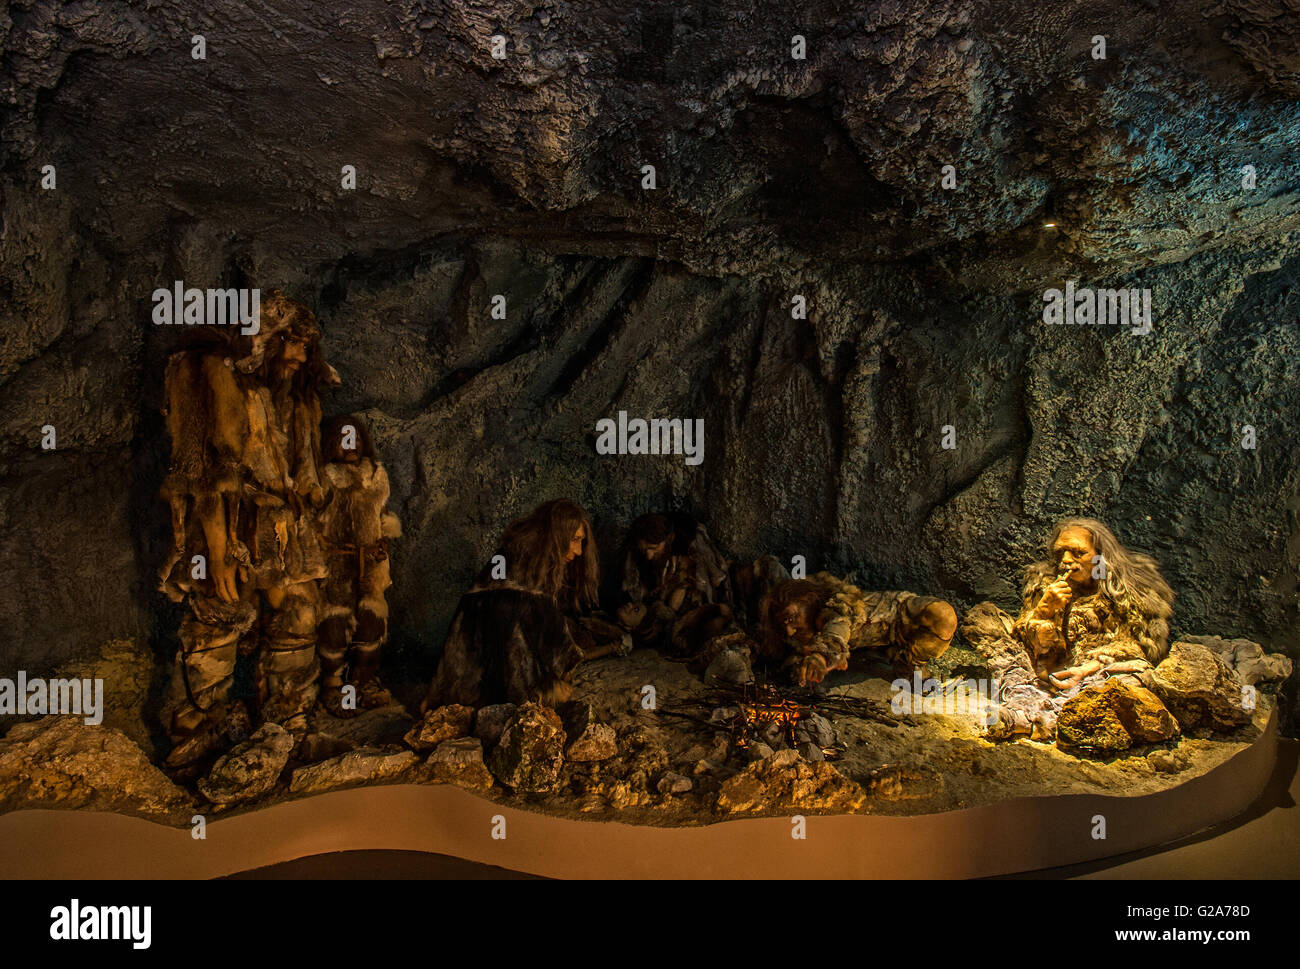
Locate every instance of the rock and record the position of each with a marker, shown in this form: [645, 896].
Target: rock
[443, 723]
[588, 740]
[490, 722]
[1168, 761]
[815, 728]
[903, 782]
[783, 782]
[758, 751]
[1252, 664]
[361, 766]
[674, 783]
[1200, 688]
[810, 752]
[460, 762]
[724, 715]
[370, 728]
[772, 734]
[60, 761]
[622, 795]
[1113, 716]
[531, 750]
[596, 743]
[717, 756]
[320, 746]
[250, 769]
[129, 669]
[785, 758]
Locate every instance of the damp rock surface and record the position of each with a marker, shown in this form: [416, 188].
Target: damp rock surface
[776, 178]
[361, 766]
[442, 723]
[1114, 716]
[62, 762]
[459, 762]
[250, 769]
[530, 752]
[1200, 688]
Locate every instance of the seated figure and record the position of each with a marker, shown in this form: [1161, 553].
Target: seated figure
[670, 571]
[1092, 609]
[525, 624]
[813, 624]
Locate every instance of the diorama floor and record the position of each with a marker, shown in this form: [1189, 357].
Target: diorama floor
[1263, 842]
[670, 767]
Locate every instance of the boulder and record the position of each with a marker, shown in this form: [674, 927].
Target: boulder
[129, 669]
[62, 762]
[1168, 761]
[443, 723]
[250, 769]
[674, 783]
[814, 728]
[785, 782]
[809, 751]
[362, 766]
[589, 741]
[331, 736]
[1252, 664]
[460, 762]
[1200, 688]
[597, 742]
[757, 751]
[1113, 716]
[490, 722]
[531, 750]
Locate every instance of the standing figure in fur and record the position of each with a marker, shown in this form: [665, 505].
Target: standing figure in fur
[244, 487]
[1091, 609]
[357, 527]
[527, 621]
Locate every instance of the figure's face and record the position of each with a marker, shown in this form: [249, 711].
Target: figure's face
[794, 620]
[1074, 548]
[292, 356]
[576, 543]
[652, 552]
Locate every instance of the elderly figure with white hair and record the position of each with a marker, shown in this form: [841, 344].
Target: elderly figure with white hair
[1091, 609]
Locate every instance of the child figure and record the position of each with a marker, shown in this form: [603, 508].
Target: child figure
[356, 528]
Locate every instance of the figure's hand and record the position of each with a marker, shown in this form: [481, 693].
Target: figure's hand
[223, 579]
[1055, 597]
[812, 669]
[1068, 678]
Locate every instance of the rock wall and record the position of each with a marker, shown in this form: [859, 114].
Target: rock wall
[775, 177]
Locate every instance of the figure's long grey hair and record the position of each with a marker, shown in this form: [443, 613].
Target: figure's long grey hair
[1133, 582]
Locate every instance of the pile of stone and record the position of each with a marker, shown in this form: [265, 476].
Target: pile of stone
[524, 748]
[63, 762]
[785, 783]
[813, 734]
[1205, 685]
